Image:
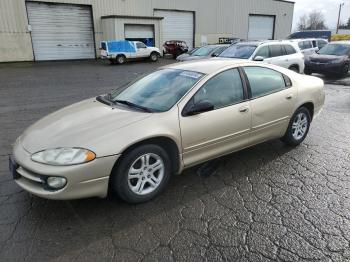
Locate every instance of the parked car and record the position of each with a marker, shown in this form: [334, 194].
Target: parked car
[310, 46]
[334, 58]
[282, 53]
[132, 140]
[175, 48]
[120, 51]
[325, 34]
[203, 52]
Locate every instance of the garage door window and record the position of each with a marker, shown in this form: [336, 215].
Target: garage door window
[264, 81]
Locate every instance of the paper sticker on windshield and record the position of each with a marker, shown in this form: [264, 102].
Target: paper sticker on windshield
[191, 74]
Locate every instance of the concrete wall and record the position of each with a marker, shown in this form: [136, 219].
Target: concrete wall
[214, 19]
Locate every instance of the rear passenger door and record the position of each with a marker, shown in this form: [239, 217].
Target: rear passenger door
[277, 56]
[272, 102]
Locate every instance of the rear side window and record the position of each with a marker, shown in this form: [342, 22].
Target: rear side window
[321, 43]
[307, 44]
[222, 90]
[264, 81]
[276, 50]
[289, 49]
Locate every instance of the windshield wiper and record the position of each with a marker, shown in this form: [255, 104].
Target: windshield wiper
[130, 104]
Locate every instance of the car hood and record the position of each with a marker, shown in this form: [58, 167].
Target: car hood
[83, 125]
[325, 58]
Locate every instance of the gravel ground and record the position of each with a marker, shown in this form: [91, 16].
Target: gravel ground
[265, 203]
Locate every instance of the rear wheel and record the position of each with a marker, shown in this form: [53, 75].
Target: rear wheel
[121, 59]
[307, 71]
[294, 69]
[141, 174]
[298, 127]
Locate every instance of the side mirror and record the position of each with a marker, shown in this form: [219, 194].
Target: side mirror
[259, 58]
[198, 108]
[214, 54]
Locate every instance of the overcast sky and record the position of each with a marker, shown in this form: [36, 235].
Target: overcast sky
[329, 8]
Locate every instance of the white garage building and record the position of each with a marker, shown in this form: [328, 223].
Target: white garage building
[72, 29]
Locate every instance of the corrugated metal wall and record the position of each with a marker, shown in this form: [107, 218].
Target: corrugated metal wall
[213, 18]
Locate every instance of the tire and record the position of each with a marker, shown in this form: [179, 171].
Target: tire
[294, 69]
[301, 119]
[136, 186]
[121, 59]
[345, 70]
[154, 57]
[307, 72]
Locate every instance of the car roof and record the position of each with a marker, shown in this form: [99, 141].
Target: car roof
[206, 66]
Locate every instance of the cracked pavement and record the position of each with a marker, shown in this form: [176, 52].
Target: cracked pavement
[266, 203]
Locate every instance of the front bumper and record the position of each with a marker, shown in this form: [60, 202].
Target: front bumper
[84, 180]
[324, 67]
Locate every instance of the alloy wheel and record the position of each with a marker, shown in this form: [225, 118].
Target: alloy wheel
[146, 174]
[299, 126]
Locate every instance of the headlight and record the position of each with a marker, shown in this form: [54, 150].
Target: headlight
[64, 156]
[337, 61]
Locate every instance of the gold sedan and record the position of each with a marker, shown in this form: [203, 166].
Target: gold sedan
[132, 140]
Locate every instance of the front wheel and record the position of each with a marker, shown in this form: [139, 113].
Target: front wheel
[298, 127]
[141, 174]
[307, 71]
[345, 69]
[154, 57]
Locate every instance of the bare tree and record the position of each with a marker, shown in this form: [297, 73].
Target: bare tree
[302, 24]
[314, 20]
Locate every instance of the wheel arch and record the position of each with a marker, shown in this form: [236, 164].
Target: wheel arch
[309, 106]
[168, 144]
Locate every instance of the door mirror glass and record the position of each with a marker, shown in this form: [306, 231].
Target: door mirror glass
[258, 58]
[214, 54]
[198, 108]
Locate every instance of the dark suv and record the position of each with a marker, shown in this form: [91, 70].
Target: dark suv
[175, 48]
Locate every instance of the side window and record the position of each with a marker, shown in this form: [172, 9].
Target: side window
[263, 51]
[276, 50]
[264, 81]
[222, 90]
[307, 45]
[140, 45]
[301, 45]
[314, 44]
[289, 49]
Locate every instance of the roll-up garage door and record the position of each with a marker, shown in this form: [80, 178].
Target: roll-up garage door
[61, 31]
[177, 25]
[138, 31]
[261, 27]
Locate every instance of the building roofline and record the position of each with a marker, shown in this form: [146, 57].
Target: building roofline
[132, 17]
[285, 1]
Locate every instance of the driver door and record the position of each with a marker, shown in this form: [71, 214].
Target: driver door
[222, 130]
[142, 50]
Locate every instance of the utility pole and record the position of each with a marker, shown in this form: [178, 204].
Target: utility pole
[340, 6]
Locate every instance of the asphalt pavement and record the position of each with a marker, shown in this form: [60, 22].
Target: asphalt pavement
[266, 203]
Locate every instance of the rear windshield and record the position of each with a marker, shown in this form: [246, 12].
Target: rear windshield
[239, 51]
[203, 51]
[335, 49]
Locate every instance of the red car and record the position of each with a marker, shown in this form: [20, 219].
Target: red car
[175, 48]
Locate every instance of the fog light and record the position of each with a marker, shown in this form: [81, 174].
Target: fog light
[56, 182]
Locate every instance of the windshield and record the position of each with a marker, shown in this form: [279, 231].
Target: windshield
[204, 51]
[335, 49]
[239, 51]
[158, 91]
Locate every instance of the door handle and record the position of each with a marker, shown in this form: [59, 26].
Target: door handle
[289, 97]
[244, 109]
